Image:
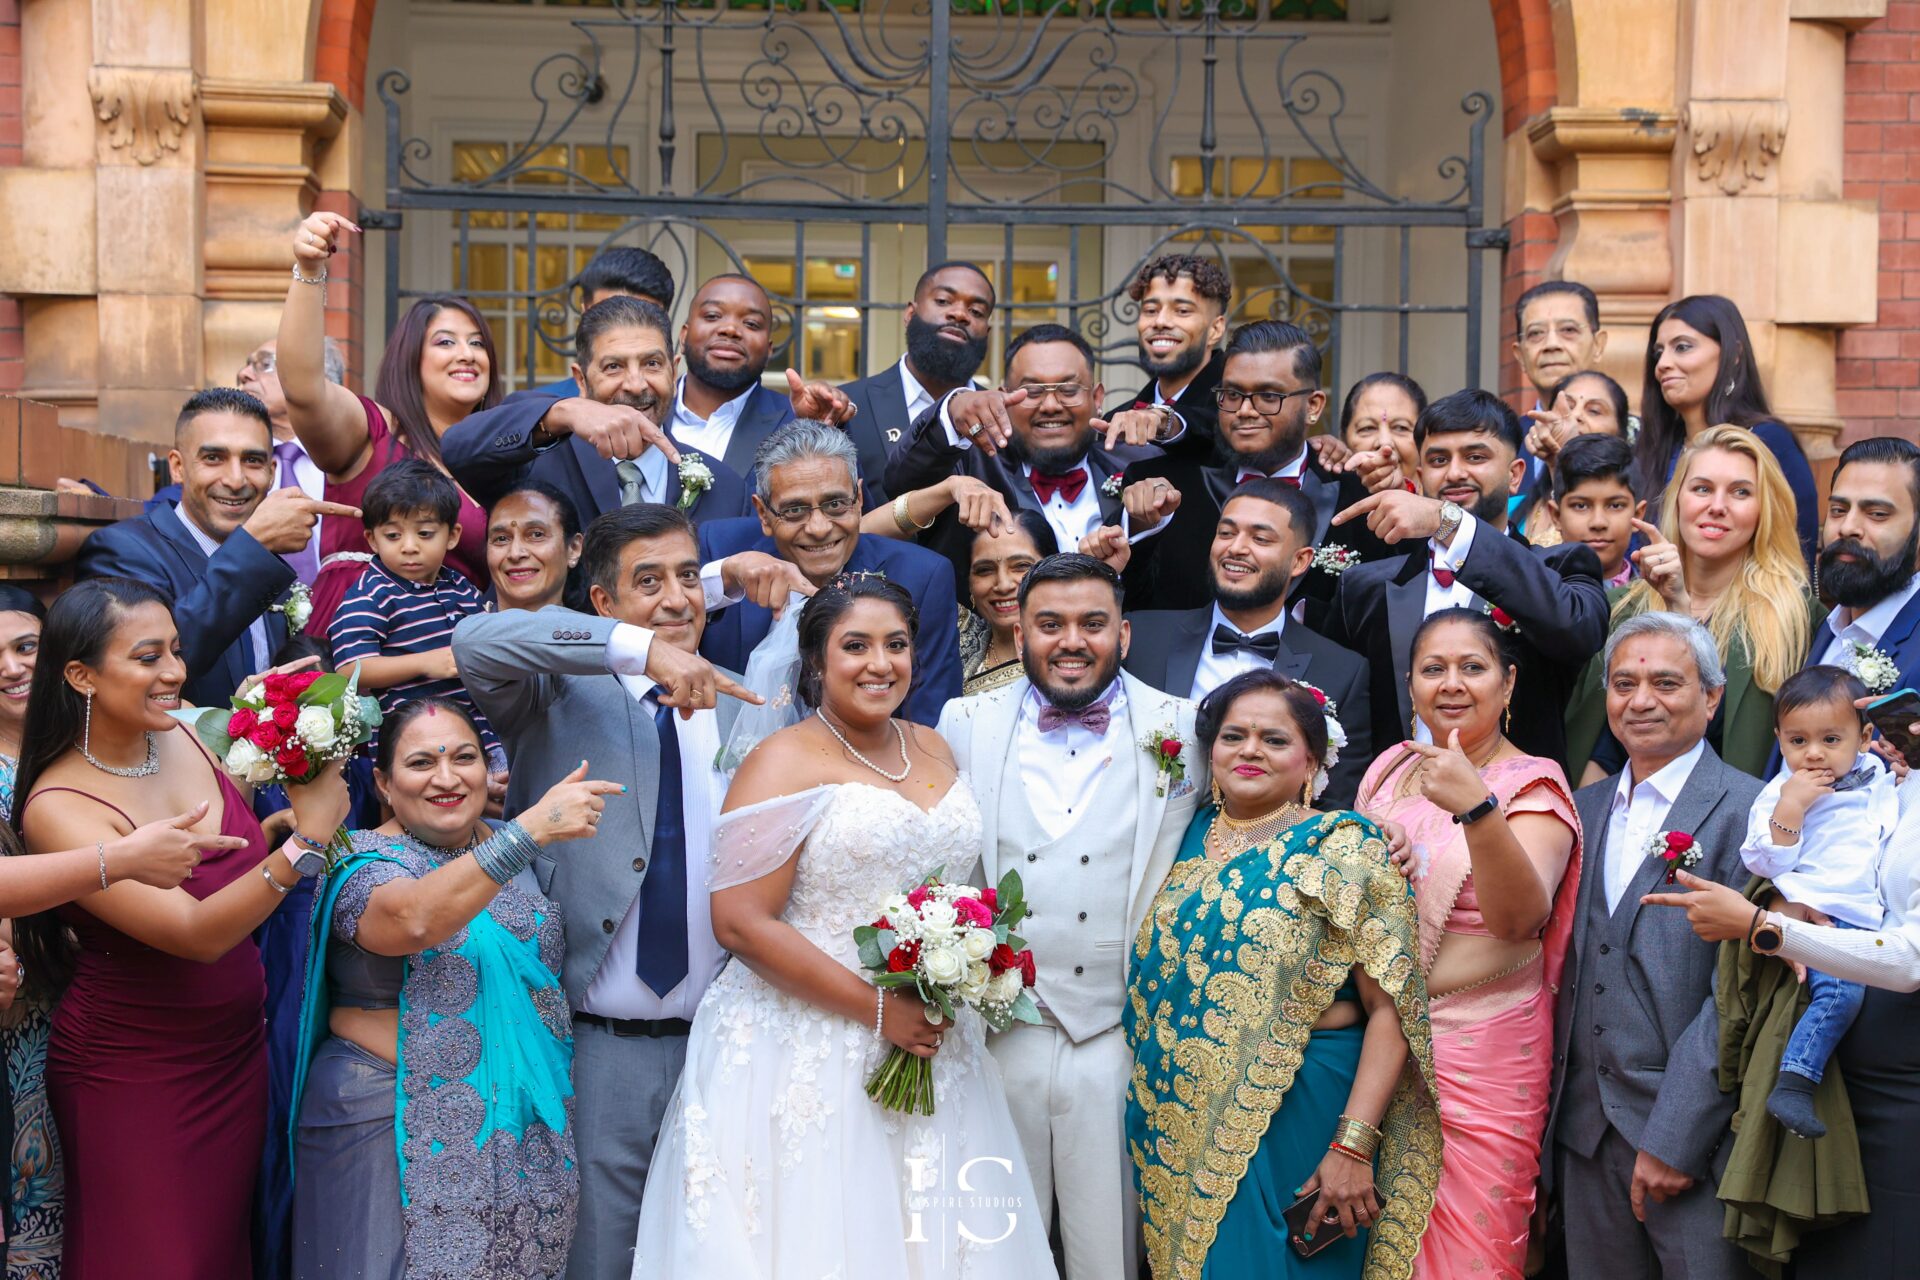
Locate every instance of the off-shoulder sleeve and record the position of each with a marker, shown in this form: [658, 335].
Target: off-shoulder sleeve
[757, 840]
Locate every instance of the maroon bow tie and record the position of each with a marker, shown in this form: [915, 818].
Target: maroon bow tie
[1094, 718]
[1442, 575]
[1068, 486]
[1292, 482]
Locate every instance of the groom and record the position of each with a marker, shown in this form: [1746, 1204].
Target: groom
[1074, 802]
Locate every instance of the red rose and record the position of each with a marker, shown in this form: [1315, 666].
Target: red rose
[883, 923]
[1027, 975]
[1318, 697]
[1679, 841]
[1002, 958]
[241, 723]
[991, 897]
[276, 687]
[297, 685]
[918, 898]
[903, 957]
[292, 758]
[285, 715]
[1170, 747]
[267, 736]
[1501, 618]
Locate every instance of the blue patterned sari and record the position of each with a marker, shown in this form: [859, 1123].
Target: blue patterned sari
[1234, 1095]
[483, 1092]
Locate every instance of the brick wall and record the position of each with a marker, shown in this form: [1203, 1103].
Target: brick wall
[1878, 371]
[12, 362]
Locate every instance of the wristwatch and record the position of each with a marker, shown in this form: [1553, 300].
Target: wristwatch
[312, 858]
[1451, 514]
[1770, 934]
[1478, 811]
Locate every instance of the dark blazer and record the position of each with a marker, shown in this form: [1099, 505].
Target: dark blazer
[765, 412]
[924, 458]
[734, 632]
[1900, 641]
[1554, 596]
[491, 451]
[879, 427]
[1167, 569]
[215, 599]
[1195, 405]
[1658, 1057]
[1165, 652]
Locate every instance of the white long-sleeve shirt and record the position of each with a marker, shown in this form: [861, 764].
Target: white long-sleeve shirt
[1834, 867]
[1888, 957]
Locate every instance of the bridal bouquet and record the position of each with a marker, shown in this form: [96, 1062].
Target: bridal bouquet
[955, 946]
[289, 725]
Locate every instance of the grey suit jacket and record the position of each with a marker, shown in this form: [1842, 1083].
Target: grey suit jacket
[1658, 1050]
[542, 680]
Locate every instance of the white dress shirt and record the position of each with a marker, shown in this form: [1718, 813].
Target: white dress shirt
[1216, 669]
[1834, 867]
[1060, 770]
[712, 434]
[257, 629]
[1074, 520]
[1887, 957]
[1457, 596]
[919, 399]
[1864, 628]
[616, 990]
[1638, 812]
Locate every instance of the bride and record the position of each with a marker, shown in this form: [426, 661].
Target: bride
[772, 1160]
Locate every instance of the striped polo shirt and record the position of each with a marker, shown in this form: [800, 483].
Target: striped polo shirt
[384, 615]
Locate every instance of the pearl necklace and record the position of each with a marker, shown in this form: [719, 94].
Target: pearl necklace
[906, 762]
[145, 769]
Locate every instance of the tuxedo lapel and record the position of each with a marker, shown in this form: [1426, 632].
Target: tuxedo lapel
[1015, 486]
[993, 752]
[1325, 496]
[1290, 664]
[601, 481]
[1189, 642]
[1696, 800]
[1406, 605]
[888, 399]
[1219, 483]
[1102, 470]
[1143, 704]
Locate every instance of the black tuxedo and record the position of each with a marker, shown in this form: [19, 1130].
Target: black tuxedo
[1554, 595]
[1196, 407]
[1169, 569]
[924, 458]
[215, 598]
[491, 451]
[879, 427]
[1165, 652]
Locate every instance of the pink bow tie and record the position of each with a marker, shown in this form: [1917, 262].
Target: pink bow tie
[1094, 718]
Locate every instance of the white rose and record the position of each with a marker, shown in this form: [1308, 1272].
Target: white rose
[978, 975]
[979, 943]
[937, 916]
[315, 727]
[944, 966]
[264, 770]
[242, 756]
[1006, 987]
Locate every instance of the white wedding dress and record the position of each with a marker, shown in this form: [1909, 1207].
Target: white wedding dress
[772, 1161]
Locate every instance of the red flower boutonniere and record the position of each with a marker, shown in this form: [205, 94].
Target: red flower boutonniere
[1165, 746]
[1502, 619]
[1676, 848]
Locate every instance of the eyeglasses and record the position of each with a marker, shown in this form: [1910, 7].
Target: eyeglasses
[1570, 331]
[1068, 393]
[1266, 402]
[260, 362]
[799, 512]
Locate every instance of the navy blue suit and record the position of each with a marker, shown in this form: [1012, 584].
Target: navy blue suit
[1900, 641]
[491, 451]
[215, 599]
[734, 632]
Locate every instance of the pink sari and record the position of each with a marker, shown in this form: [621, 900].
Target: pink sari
[1493, 1041]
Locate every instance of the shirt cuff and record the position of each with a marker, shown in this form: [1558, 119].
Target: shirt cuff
[713, 584]
[1142, 535]
[1179, 428]
[628, 648]
[1462, 539]
[946, 424]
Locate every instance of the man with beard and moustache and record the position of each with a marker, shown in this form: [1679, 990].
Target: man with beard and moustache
[1035, 440]
[1183, 300]
[1072, 801]
[1867, 567]
[1259, 548]
[947, 326]
[1549, 602]
[1270, 403]
[603, 450]
[720, 406]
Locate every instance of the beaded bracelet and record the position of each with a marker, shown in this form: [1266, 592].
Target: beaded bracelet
[100, 847]
[879, 1010]
[1349, 1152]
[507, 854]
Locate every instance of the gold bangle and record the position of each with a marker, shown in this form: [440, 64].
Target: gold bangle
[1356, 1134]
[904, 518]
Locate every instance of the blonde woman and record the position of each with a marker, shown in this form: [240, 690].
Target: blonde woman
[1727, 554]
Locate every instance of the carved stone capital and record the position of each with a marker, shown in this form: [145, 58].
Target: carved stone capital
[1735, 143]
[142, 110]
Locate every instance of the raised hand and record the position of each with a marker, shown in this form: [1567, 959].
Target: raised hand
[570, 810]
[1395, 515]
[978, 505]
[286, 668]
[164, 853]
[1801, 789]
[691, 682]
[1449, 781]
[819, 401]
[767, 581]
[617, 432]
[318, 237]
[1332, 451]
[1550, 430]
[1108, 543]
[1659, 564]
[1148, 502]
[1378, 469]
[982, 418]
[1149, 425]
[284, 520]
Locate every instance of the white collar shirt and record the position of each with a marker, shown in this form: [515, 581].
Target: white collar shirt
[919, 399]
[1214, 669]
[712, 434]
[1457, 596]
[257, 629]
[1637, 816]
[1061, 770]
[1865, 627]
[1074, 520]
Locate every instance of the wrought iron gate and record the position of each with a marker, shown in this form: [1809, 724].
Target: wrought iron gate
[992, 122]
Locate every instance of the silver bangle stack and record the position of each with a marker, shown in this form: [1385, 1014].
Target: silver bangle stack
[879, 1010]
[509, 852]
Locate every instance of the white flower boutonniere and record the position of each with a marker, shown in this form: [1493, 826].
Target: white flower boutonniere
[1111, 486]
[1334, 558]
[1165, 746]
[1876, 669]
[695, 479]
[298, 606]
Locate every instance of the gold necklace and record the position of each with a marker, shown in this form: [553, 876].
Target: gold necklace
[1227, 837]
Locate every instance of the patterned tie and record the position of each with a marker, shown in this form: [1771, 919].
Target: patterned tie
[1265, 646]
[305, 561]
[1292, 482]
[1067, 485]
[661, 959]
[1094, 718]
[632, 488]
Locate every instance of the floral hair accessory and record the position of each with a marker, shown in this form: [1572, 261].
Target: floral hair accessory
[1336, 737]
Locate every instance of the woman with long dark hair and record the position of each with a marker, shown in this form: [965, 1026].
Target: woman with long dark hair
[439, 366]
[1701, 373]
[157, 1063]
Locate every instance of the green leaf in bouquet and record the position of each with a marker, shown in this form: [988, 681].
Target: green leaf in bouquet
[941, 998]
[867, 938]
[1024, 1010]
[907, 979]
[210, 726]
[327, 689]
[1017, 942]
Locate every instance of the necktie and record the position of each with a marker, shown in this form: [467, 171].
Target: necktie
[1442, 575]
[305, 561]
[1265, 646]
[661, 958]
[1094, 718]
[1292, 482]
[1068, 486]
[632, 487]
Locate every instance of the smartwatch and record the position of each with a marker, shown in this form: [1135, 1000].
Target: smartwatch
[1769, 935]
[312, 858]
[1478, 812]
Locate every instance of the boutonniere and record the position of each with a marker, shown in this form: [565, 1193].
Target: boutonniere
[1501, 618]
[1165, 746]
[1335, 559]
[1675, 848]
[1110, 487]
[695, 479]
[1876, 670]
[298, 606]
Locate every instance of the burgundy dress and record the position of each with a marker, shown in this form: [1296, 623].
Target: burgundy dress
[157, 1076]
[343, 542]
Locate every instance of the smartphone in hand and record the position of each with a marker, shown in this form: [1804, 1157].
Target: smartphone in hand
[1894, 716]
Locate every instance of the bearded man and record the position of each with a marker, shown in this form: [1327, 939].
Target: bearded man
[1867, 559]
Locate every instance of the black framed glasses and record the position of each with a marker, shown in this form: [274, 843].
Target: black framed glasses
[1268, 402]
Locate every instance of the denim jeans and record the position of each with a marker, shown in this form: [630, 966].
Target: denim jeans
[1832, 1009]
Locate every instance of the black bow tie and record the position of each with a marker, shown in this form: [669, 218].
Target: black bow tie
[1265, 646]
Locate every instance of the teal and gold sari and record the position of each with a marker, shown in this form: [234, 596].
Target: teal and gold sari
[1235, 962]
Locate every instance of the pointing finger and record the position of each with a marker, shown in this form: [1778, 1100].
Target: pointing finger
[605, 788]
[1366, 506]
[1651, 532]
[190, 817]
[320, 508]
[579, 772]
[724, 683]
[218, 842]
[796, 385]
